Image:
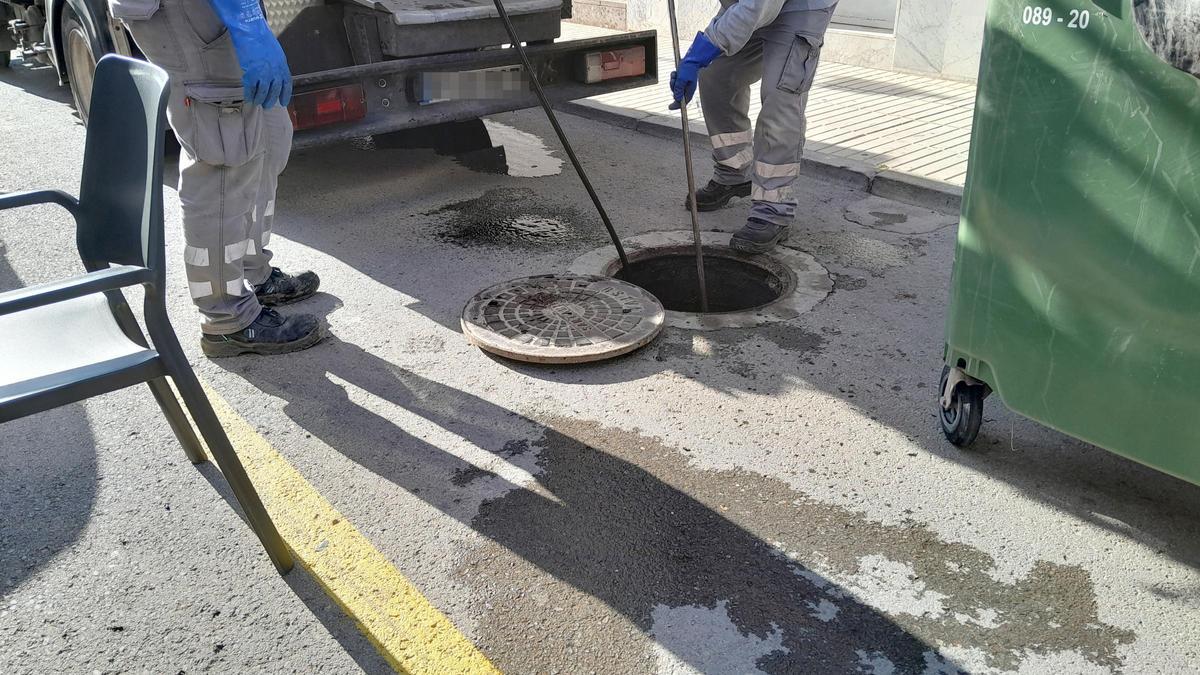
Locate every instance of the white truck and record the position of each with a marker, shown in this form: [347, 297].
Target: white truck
[368, 67]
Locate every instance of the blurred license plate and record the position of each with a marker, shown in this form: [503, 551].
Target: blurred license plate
[493, 83]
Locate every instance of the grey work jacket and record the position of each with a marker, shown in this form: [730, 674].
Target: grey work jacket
[738, 19]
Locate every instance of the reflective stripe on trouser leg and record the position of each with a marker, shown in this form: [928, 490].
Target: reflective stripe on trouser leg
[788, 67]
[278, 127]
[772, 188]
[217, 207]
[725, 99]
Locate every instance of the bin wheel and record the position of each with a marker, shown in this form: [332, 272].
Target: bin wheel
[961, 421]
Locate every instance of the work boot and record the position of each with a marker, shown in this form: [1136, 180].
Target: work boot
[758, 236]
[714, 195]
[282, 288]
[270, 334]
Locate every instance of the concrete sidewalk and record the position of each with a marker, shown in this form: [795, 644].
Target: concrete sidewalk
[903, 136]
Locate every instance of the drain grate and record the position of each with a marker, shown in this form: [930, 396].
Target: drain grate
[562, 318]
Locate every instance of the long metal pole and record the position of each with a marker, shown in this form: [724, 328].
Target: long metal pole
[562, 137]
[687, 160]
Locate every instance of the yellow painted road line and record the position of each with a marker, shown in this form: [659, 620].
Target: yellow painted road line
[402, 624]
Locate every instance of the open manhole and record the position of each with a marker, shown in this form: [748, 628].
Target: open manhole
[735, 282]
[743, 290]
[562, 318]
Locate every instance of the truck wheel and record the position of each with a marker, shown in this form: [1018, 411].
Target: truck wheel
[81, 55]
[961, 421]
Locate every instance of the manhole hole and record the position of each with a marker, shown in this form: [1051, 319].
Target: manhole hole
[743, 290]
[734, 283]
[562, 318]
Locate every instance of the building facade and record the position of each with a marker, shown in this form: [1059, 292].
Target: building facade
[941, 38]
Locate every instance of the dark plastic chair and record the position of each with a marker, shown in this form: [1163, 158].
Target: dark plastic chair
[77, 338]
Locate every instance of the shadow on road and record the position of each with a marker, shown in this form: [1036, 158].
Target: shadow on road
[594, 535]
[37, 79]
[621, 523]
[47, 484]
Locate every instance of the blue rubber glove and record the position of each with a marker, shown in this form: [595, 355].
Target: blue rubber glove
[683, 81]
[266, 77]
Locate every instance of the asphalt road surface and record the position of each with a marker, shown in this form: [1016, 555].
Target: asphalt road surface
[776, 498]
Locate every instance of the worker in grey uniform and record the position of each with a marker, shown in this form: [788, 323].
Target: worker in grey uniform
[778, 42]
[230, 86]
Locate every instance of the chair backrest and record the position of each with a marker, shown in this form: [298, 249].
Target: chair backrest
[120, 196]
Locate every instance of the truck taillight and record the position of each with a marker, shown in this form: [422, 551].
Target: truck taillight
[613, 64]
[328, 106]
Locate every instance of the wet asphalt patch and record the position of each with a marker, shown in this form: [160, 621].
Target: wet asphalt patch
[510, 218]
[464, 476]
[737, 350]
[871, 255]
[483, 146]
[879, 213]
[624, 534]
[847, 282]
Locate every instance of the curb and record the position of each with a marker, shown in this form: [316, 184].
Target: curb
[902, 187]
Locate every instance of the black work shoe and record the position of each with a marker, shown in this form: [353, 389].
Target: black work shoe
[270, 334]
[714, 195]
[282, 288]
[758, 236]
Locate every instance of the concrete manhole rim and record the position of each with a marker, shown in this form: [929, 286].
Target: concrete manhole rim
[812, 282]
[621, 318]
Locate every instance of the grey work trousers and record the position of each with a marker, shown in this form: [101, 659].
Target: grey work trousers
[232, 156]
[784, 55]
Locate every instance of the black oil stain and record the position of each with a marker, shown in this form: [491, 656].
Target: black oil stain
[515, 448]
[789, 337]
[464, 476]
[848, 249]
[509, 217]
[679, 345]
[916, 244]
[738, 350]
[883, 219]
[786, 336]
[632, 526]
[847, 282]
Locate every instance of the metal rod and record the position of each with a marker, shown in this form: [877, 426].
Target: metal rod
[562, 137]
[687, 160]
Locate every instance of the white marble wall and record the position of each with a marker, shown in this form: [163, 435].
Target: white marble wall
[935, 37]
[693, 16]
[940, 37]
[868, 49]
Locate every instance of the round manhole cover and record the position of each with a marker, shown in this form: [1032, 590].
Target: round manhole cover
[562, 318]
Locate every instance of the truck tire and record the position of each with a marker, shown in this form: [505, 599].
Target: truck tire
[81, 53]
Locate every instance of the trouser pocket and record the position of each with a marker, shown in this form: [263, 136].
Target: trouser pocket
[223, 130]
[801, 65]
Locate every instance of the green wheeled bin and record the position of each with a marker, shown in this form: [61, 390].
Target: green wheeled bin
[1076, 284]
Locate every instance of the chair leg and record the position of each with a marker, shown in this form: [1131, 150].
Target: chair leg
[214, 435]
[178, 420]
